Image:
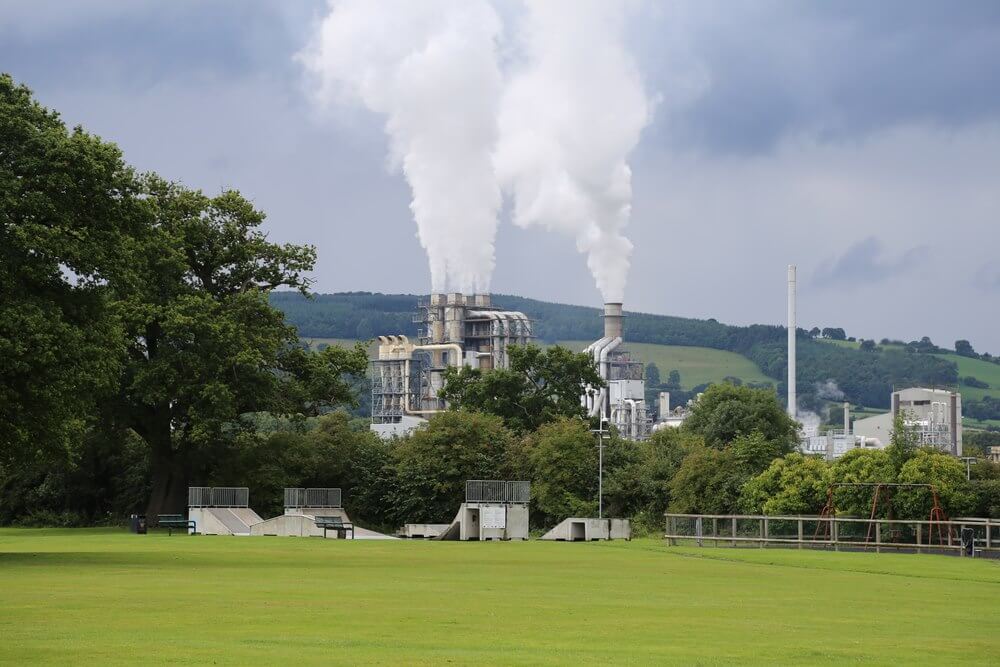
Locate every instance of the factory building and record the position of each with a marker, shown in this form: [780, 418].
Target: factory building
[622, 402]
[453, 330]
[934, 415]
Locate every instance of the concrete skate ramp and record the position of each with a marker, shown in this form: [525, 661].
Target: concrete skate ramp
[303, 524]
[580, 529]
[232, 521]
[452, 532]
[246, 515]
[418, 531]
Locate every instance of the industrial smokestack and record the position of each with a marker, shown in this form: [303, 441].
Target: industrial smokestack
[791, 342]
[847, 418]
[613, 320]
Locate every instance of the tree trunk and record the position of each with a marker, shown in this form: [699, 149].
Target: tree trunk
[169, 477]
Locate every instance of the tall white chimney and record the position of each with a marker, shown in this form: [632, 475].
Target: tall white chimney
[613, 320]
[791, 342]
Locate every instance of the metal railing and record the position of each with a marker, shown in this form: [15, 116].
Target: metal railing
[218, 496]
[848, 533]
[497, 491]
[313, 498]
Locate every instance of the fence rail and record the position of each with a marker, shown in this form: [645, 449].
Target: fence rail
[497, 491]
[328, 497]
[218, 496]
[976, 536]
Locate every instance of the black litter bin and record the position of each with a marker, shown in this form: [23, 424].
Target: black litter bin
[968, 541]
[137, 524]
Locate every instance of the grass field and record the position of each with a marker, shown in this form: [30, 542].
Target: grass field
[697, 365]
[107, 597]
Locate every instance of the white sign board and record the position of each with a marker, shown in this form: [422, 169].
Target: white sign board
[493, 517]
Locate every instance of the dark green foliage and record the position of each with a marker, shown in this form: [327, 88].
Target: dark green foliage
[63, 213]
[987, 408]
[963, 348]
[561, 460]
[726, 413]
[708, 481]
[640, 485]
[652, 375]
[540, 386]
[433, 464]
[972, 381]
[795, 484]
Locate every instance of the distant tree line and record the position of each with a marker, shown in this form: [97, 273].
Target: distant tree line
[866, 377]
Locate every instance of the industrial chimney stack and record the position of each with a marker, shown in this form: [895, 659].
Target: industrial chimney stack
[613, 320]
[791, 342]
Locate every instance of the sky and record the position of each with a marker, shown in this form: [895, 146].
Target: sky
[857, 140]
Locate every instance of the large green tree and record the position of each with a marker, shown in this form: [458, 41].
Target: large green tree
[725, 412]
[204, 345]
[65, 199]
[539, 386]
[434, 462]
[795, 484]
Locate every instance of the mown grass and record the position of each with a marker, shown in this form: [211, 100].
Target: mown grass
[107, 597]
[697, 365]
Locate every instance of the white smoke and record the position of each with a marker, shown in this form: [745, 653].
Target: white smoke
[829, 391]
[569, 117]
[430, 67]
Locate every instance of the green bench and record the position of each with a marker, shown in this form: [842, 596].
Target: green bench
[172, 521]
[335, 523]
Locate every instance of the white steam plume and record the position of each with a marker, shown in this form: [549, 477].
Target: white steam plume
[569, 118]
[430, 68]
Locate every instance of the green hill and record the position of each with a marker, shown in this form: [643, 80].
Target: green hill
[697, 365]
[865, 377]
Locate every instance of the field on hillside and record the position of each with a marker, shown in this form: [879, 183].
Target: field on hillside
[107, 597]
[697, 365]
[316, 342]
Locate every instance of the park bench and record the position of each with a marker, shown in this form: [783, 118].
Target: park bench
[171, 521]
[335, 523]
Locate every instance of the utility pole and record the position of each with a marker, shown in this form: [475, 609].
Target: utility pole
[968, 466]
[602, 433]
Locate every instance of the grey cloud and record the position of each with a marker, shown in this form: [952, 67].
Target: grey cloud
[835, 69]
[987, 278]
[864, 263]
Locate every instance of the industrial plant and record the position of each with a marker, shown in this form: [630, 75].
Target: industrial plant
[453, 330]
[468, 331]
[622, 402]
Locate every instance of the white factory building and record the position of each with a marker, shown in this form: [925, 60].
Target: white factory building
[934, 415]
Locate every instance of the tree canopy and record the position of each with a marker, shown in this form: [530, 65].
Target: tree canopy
[539, 386]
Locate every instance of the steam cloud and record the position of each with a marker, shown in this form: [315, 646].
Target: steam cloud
[430, 68]
[569, 117]
[555, 135]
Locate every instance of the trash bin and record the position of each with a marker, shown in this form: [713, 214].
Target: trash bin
[968, 541]
[137, 524]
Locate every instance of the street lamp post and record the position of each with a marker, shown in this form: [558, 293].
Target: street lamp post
[601, 432]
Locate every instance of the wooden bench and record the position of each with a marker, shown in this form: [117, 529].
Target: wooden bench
[172, 521]
[335, 523]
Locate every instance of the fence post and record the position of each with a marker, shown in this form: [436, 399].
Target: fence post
[920, 537]
[715, 531]
[760, 529]
[698, 530]
[878, 537]
[987, 533]
[800, 533]
[767, 531]
[734, 531]
[833, 533]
